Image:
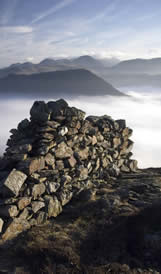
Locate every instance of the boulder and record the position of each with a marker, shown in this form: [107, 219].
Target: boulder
[57, 107]
[50, 160]
[23, 202]
[83, 153]
[37, 205]
[52, 186]
[41, 217]
[116, 141]
[72, 112]
[24, 214]
[63, 131]
[65, 196]
[83, 173]
[14, 228]
[32, 165]
[133, 165]
[59, 165]
[121, 123]
[63, 151]
[54, 207]
[72, 161]
[23, 125]
[40, 112]
[14, 182]
[38, 190]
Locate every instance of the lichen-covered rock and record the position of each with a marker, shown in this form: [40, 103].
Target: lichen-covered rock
[24, 214]
[37, 205]
[59, 165]
[82, 173]
[63, 151]
[8, 211]
[23, 202]
[116, 141]
[52, 186]
[38, 190]
[72, 161]
[41, 217]
[133, 165]
[63, 131]
[65, 196]
[83, 153]
[32, 165]
[14, 228]
[54, 207]
[50, 160]
[14, 182]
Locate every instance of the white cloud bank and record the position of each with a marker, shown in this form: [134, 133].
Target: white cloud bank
[142, 114]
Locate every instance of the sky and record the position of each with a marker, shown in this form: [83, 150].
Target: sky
[31, 30]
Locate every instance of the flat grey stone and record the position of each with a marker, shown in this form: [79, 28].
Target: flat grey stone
[14, 182]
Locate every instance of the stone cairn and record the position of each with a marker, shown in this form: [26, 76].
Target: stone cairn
[54, 156]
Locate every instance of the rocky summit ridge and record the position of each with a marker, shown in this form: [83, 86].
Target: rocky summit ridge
[73, 201]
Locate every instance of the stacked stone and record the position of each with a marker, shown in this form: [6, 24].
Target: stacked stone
[54, 156]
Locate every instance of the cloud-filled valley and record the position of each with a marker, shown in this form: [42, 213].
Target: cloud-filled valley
[141, 111]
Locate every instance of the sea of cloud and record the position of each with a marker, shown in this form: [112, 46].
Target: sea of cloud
[142, 112]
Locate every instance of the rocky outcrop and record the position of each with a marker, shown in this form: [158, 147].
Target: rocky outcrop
[53, 157]
[113, 227]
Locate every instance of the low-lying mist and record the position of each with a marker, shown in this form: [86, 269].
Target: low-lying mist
[142, 112]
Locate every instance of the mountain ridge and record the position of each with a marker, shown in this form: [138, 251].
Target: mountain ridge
[70, 82]
[51, 64]
[151, 66]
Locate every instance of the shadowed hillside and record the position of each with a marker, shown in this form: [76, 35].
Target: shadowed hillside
[71, 82]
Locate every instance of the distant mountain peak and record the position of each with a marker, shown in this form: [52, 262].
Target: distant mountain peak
[47, 61]
[85, 57]
[14, 65]
[87, 61]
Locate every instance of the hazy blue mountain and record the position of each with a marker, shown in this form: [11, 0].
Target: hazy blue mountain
[126, 73]
[133, 80]
[29, 68]
[109, 62]
[147, 66]
[64, 61]
[72, 82]
[137, 72]
[49, 64]
[87, 61]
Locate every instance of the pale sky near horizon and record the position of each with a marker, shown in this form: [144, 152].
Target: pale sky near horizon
[31, 30]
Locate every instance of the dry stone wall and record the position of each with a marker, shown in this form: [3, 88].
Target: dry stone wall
[55, 155]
